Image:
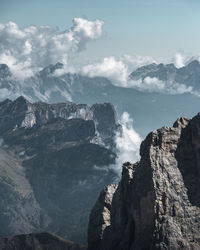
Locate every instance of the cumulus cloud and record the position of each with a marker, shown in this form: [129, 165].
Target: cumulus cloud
[179, 60]
[117, 69]
[109, 67]
[127, 143]
[25, 50]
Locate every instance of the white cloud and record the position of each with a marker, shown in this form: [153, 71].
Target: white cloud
[127, 143]
[108, 67]
[117, 69]
[65, 69]
[153, 84]
[179, 60]
[26, 50]
[133, 62]
[150, 84]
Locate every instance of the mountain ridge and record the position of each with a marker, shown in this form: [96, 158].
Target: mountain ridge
[60, 153]
[156, 204]
[188, 75]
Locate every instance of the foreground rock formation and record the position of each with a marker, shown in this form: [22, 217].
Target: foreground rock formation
[157, 202]
[41, 241]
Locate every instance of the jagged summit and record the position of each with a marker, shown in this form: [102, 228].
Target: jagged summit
[157, 202]
[193, 64]
[54, 159]
[188, 75]
[22, 113]
[51, 69]
[4, 71]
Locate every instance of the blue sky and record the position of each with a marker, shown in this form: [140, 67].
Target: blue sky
[157, 28]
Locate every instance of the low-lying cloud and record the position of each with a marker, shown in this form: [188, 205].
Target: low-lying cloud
[116, 69]
[127, 143]
[108, 67]
[27, 50]
[153, 84]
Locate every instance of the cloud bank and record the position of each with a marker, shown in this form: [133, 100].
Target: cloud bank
[108, 67]
[153, 84]
[28, 50]
[25, 50]
[127, 143]
[117, 69]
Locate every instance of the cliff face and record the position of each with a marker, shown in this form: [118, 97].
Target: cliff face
[157, 202]
[53, 163]
[23, 114]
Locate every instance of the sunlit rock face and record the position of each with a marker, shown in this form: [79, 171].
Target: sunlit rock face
[156, 204]
[53, 164]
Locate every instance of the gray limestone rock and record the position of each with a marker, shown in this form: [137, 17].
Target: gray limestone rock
[53, 163]
[157, 202]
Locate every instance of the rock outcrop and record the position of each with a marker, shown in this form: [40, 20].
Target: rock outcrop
[23, 114]
[40, 241]
[53, 164]
[157, 202]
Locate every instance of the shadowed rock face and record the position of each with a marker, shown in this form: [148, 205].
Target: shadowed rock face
[157, 202]
[41, 241]
[53, 163]
[105, 118]
[23, 114]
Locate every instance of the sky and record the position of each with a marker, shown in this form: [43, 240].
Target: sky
[155, 28]
[108, 38]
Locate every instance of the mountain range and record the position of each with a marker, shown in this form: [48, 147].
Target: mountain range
[154, 206]
[54, 159]
[149, 109]
[188, 75]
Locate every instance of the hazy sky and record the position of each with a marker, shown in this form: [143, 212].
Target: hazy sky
[157, 28]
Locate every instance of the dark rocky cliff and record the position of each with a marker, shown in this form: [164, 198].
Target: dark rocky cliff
[157, 202]
[53, 163]
[20, 113]
[41, 241]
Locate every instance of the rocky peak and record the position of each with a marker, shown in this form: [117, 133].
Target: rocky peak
[107, 124]
[55, 143]
[188, 75]
[4, 71]
[161, 71]
[181, 122]
[50, 69]
[193, 64]
[22, 113]
[156, 205]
